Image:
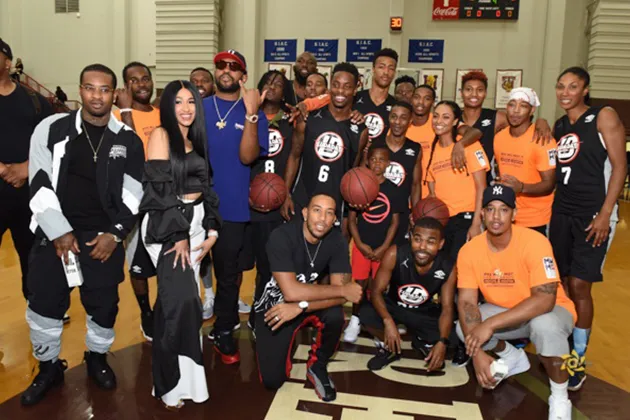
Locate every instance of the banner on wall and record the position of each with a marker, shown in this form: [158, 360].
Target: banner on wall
[280, 50]
[362, 49]
[324, 50]
[475, 9]
[433, 78]
[506, 81]
[426, 51]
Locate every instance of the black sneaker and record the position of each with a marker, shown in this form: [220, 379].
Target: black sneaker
[577, 380]
[50, 375]
[324, 386]
[235, 328]
[383, 358]
[146, 325]
[422, 346]
[225, 345]
[460, 358]
[99, 370]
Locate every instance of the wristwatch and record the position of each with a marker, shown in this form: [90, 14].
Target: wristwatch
[252, 118]
[116, 238]
[303, 305]
[444, 341]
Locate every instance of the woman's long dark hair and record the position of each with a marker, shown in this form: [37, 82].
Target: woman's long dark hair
[583, 75]
[458, 116]
[196, 132]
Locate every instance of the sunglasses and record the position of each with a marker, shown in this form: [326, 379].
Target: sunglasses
[234, 66]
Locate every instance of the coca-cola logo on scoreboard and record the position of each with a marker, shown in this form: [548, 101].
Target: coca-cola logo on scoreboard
[445, 9]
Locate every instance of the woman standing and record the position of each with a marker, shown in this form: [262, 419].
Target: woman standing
[179, 229]
[460, 191]
[590, 172]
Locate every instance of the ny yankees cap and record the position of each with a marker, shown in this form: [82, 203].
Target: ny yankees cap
[234, 55]
[501, 193]
[5, 49]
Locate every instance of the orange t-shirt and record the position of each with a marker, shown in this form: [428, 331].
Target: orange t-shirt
[524, 159]
[505, 278]
[456, 189]
[144, 123]
[423, 135]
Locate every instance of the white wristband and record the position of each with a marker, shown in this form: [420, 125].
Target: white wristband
[213, 233]
[122, 110]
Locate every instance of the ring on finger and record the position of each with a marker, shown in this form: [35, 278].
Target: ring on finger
[277, 318]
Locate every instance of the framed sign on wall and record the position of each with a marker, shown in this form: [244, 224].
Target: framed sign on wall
[433, 78]
[507, 80]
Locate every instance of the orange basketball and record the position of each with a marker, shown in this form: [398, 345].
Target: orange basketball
[431, 207]
[359, 186]
[267, 191]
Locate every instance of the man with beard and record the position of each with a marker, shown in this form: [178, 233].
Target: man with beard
[85, 171]
[376, 102]
[404, 87]
[515, 270]
[237, 136]
[203, 80]
[328, 143]
[402, 292]
[295, 92]
[135, 110]
[20, 112]
[300, 256]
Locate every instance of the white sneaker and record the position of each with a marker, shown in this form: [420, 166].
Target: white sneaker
[352, 331]
[559, 409]
[243, 308]
[518, 363]
[208, 307]
[402, 329]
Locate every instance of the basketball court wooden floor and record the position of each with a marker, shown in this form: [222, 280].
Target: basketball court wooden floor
[402, 391]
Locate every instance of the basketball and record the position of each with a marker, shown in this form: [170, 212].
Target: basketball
[359, 186]
[431, 207]
[267, 191]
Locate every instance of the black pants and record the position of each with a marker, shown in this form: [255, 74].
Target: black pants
[455, 233]
[15, 215]
[540, 229]
[228, 254]
[274, 348]
[260, 235]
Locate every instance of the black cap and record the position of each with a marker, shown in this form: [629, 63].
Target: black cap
[5, 49]
[501, 193]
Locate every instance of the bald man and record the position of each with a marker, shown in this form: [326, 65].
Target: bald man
[295, 92]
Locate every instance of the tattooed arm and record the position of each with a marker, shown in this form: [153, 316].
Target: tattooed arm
[468, 310]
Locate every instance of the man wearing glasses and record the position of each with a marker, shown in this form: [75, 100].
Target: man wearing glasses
[235, 140]
[85, 171]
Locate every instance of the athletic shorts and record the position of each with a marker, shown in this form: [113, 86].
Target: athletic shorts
[138, 260]
[362, 268]
[576, 257]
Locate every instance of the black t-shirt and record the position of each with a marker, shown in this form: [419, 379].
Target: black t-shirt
[82, 205]
[280, 141]
[376, 117]
[286, 250]
[374, 222]
[290, 96]
[18, 119]
[412, 290]
[402, 163]
[486, 123]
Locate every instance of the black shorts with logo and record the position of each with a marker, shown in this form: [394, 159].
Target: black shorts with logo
[138, 260]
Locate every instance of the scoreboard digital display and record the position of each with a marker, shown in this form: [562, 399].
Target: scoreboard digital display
[488, 9]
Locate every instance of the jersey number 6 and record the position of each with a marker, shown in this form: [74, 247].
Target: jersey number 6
[323, 173]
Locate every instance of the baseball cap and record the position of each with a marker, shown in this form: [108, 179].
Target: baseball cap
[234, 55]
[501, 193]
[5, 49]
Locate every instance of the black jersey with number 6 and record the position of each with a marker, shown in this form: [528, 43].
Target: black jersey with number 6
[412, 290]
[330, 148]
[583, 169]
[280, 141]
[376, 117]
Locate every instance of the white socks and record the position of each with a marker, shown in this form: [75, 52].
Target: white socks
[508, 352]
[208, 293]
[559, 391]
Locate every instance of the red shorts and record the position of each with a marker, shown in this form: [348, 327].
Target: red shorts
[361, 266]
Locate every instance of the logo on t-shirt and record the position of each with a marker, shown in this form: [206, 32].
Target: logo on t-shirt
[550, 267]
[276, 142]
[329, 146]
[375, 124]
[378, 210]
[551, 154]
[440, 274]
[412, 295]
[118, 151]
[589, 118]
[410, 152]
[568, 148]
[486, 123]
[480, 157]
[395, 172]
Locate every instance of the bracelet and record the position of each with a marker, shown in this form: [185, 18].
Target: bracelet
[123, 110]
[213, 233]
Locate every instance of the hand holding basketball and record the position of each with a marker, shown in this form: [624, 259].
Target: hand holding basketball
[359, 187]
[267, 192]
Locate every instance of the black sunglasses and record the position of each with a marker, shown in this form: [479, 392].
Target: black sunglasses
[234, 66]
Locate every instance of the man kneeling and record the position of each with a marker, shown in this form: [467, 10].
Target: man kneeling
[300, 255]
[414, 273]
[514, 268]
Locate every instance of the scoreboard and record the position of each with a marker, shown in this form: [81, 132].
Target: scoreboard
[475, 9]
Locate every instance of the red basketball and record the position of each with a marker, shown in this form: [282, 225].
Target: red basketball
[359, 186]
[267, 191]
[431, 207]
